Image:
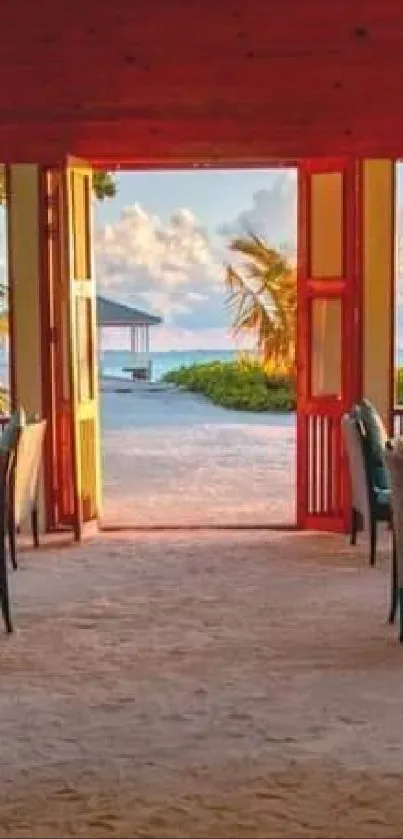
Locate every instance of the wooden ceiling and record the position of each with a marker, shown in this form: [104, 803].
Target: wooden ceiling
[183, 82]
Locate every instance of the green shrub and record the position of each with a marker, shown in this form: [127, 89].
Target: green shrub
[399, 386]
[242, 385]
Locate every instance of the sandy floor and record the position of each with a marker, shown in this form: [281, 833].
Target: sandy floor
[223, 685]
[174, 458]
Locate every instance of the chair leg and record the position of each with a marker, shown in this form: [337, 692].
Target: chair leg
[353, 534]
[5, 600]
[10, 517]
[35, 526]
[393, 593]
[373, 540]
[400, 598]
[12, 541]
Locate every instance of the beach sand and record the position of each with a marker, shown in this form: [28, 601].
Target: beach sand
[171, 457]
[201, 685]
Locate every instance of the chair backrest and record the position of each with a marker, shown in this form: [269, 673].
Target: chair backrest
[357, 468]
[26, 469]
[374, 441]
[11, 430]
[394, 460]
[7, 459]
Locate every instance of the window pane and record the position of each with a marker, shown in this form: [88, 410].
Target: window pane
[326, 348]
[81, 209]
[85, 379]
[327, 225]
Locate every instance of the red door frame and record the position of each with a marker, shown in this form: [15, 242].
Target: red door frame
[60, 487]
[322, 480]
[59, 476]
[60, 493]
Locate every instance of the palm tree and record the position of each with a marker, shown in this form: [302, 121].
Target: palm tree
[262, 298]
[103, 184]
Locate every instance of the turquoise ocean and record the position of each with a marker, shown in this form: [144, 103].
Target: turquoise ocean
[111, 362]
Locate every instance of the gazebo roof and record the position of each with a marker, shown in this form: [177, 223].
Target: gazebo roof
[111, 313]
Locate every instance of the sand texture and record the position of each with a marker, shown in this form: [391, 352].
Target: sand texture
[208, 685]
[171, 457]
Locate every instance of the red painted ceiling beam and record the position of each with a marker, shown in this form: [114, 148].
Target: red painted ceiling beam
[196, 80]
[218, 141]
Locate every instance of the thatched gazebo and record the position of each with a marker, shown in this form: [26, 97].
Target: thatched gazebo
[117, 315]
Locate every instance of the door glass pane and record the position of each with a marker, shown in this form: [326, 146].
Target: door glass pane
[85, 372]
[326, 377]
[81, 209]
[326, 225]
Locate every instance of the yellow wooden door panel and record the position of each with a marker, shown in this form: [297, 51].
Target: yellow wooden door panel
[82, 322]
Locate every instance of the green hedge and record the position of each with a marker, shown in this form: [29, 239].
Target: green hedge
[241, 385]
[399, 386]
[244, 385]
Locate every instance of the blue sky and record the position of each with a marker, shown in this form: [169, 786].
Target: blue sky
[161, 244]
[213, 196]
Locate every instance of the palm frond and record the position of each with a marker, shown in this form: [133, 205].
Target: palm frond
[261, 296]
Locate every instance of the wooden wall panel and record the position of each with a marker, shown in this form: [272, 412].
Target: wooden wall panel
[378, 270]
[130, 81]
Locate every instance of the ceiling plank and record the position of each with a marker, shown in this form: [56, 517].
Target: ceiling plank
[199, 80]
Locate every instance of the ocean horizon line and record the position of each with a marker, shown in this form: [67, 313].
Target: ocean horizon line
[198, 350]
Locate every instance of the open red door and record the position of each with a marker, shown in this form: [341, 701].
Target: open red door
[328, 337]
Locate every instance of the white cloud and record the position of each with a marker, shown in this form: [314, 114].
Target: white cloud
[273, 214]
[173, 264]
[172, 269]
[176, 269]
